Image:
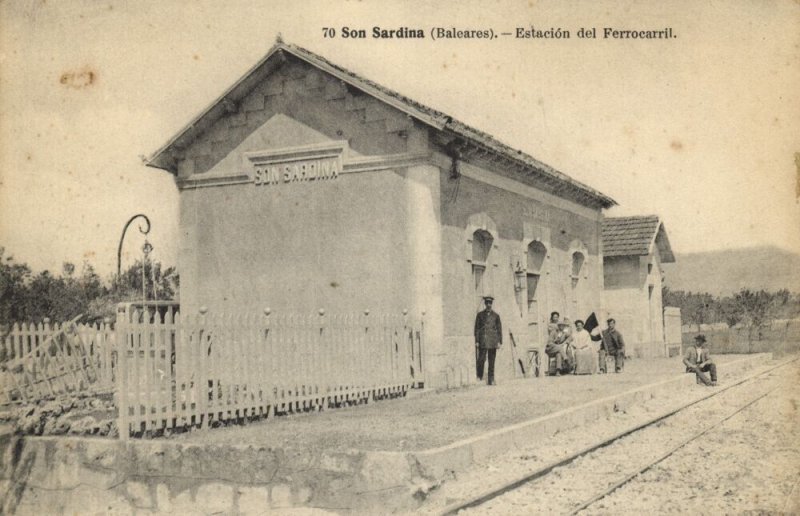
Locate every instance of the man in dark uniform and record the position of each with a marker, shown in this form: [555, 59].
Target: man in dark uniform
[611, 344]
[488, 337]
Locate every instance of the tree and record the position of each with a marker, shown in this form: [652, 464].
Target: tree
[25, 297]
[157, 284]
[757, 310]
[696, 308]
[13, 290]
[731, 311]
[59, 298]
[147, 280]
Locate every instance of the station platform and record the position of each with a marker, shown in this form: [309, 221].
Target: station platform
[425, 420]
[383, 457]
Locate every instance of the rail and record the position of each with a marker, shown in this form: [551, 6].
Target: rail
[485, 496]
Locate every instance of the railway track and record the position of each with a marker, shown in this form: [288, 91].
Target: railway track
[576, 482]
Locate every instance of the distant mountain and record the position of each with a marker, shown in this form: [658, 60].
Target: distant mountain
[728, 271]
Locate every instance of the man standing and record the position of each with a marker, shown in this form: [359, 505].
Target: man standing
[488, 337]
[612, 344]
[698, 361]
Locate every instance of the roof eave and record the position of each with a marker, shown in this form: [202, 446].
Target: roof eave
[167, 156]
[438, 120]
[531, 165]
[163, 157]
[664, 250]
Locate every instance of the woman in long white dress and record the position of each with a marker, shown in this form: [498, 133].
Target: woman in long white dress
[584, 349]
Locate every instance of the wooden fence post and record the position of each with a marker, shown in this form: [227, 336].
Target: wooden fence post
[204, 349]
[122, 383]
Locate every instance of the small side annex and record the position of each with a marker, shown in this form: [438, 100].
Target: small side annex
[306, 187]
[633, 250]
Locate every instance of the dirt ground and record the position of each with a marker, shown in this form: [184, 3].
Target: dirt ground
[749, 464]
[431, 419]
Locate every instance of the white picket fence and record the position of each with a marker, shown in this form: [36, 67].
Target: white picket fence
[41, 361]
[179, 372]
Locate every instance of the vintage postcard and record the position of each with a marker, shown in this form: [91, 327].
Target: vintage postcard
[399, 257]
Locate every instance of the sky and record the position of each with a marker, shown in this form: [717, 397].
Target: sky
[701, 129]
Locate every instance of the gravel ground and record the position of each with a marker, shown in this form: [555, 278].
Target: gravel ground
[745, 446]
[749, 464]
[432, 419]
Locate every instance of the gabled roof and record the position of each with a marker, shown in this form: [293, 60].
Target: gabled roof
[527, 166]
[636, 236]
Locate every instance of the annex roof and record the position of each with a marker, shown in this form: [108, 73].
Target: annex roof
[636, 236]
[524, 164]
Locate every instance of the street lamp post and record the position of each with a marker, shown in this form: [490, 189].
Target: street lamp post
[143, 231]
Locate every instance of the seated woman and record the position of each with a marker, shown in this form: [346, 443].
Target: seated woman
[584, 350]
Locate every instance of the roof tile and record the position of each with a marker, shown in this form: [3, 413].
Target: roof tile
[629, 236]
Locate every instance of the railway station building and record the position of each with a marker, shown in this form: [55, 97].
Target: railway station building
[634, 249]
[305, 186]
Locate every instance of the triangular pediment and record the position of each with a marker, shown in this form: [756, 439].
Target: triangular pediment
[296, 105]
[283, 131]
[342, 105]
[279, 132]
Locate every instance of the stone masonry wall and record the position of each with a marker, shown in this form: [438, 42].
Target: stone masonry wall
[47, 475]
[303, 93]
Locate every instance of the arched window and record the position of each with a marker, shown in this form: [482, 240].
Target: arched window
[537, 252]
[536, 255]
[481, 246]
[577, 267]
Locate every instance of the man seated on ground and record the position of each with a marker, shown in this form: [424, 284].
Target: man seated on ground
[558, 346]
[698, 361]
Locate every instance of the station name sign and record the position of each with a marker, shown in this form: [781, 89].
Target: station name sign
[317, 162]
[307, 170]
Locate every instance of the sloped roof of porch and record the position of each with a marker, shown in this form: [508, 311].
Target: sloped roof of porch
[636, 236]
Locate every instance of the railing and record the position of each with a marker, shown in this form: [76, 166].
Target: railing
[176, 373]
[43, 361]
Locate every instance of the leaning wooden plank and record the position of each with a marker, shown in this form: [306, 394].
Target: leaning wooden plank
[45, 340]
[67, 355]
[86, 353]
